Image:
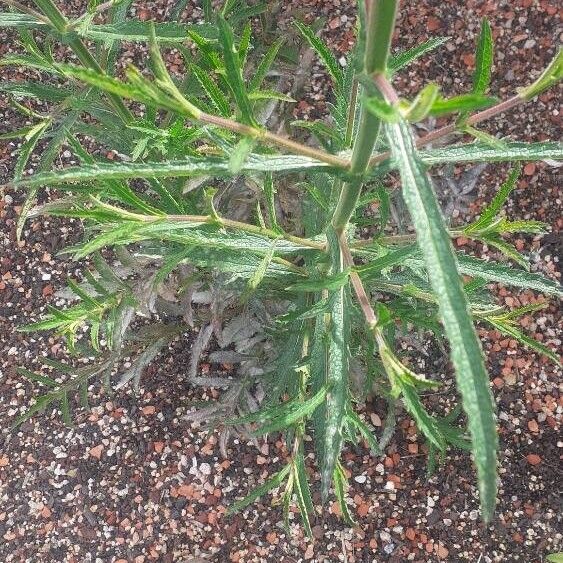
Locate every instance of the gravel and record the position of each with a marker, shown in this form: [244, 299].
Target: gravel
[132, 482]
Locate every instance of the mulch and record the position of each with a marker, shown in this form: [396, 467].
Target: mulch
[131, 481]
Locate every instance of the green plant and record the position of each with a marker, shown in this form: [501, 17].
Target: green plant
[321, 307]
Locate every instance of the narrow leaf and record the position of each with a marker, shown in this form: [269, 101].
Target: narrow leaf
[466, 353]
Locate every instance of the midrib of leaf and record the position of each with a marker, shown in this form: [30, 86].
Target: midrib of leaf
[466, 353]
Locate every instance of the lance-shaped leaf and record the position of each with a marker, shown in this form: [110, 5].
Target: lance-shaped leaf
[191, 166]
[325, 54]
[490, 213]
[17, 20]
[397, 62]
[35, 90]
[483, 59]
[499, 273]
[139, 31]
[233, 68]
[336, 372]
[271, 483]
[466, 353]
[481, 152]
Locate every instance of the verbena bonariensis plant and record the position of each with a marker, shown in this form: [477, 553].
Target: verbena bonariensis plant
[332, 306]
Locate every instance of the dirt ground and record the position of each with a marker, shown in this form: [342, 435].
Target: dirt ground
[132, 482]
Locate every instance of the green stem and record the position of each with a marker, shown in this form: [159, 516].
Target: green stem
[61, 24]
[381, 22]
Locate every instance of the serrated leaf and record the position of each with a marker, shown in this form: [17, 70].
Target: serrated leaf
[188, 167]
[213, 91]
[331, 282]
[509, 330]
[397, 62]
[490, 213]
[324, 53]
[233, 68]
[287, 417]
[494, 272]
[270, 484]
[302, 491]
[364, 431]
[17, 20]
[139, 31]
[36, 377]
[466, 353]
[424, 421]
[483, 59]
[392, 258]
[336, 371]
[479, 152]
[265, 65]
[340, 485]
[28, 89]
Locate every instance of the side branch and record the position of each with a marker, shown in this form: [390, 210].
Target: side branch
[501, 107]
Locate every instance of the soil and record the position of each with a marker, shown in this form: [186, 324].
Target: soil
[131, 481]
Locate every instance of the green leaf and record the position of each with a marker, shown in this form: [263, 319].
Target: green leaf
[422, 104]
[214, 93]
[37, 378]
[554, 557]
[324, 53]
[479, 152]
[494, 272]
[382, 109]
[364, 430]
[36, 90]
[265, 65]
[139, 31]
[466, 353]
[17, 20]
[397, 62]
[463, 102]
[302, 491]
[271, 483]
[336, 371]
[508, 329]
[233, 68]
[490, 213]
[330, 282]
[340, 486]
[295, 412]
[240, 154]
[483, 59]
[393, 257]
[424, 421]
[191, 166]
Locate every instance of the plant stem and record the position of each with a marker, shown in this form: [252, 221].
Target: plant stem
[59, 22]
[274, 139]
[503, 106]
[381, 21]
